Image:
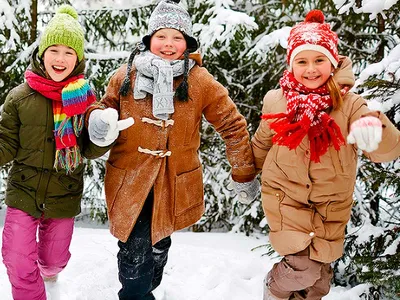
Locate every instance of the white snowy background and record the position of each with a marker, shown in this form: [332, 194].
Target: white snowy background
[201, 266]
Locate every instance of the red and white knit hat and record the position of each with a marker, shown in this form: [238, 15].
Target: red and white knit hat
[313, 34]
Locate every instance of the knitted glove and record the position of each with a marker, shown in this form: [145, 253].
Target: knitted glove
[366, 133]
[246, 191]
[104, 126]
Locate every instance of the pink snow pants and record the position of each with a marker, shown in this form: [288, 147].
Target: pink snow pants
[27, 259]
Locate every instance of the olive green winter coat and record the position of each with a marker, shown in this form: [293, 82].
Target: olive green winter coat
[27, 140]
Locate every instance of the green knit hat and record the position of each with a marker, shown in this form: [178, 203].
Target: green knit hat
[63, 29]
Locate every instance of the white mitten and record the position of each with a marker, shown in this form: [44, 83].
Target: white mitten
[104, 126]
[366, 133]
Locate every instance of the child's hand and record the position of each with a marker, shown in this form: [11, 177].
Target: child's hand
[366, 133]
[246, 191]
[104, 126]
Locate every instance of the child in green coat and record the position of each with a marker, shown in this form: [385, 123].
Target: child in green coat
[42, 134]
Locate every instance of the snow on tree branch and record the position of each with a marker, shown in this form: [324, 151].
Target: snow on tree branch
[372, 7]
[268, 42]
[8, 21]
[221, 23]
[388, 65]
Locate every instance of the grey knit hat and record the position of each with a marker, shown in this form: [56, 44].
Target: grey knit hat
[168, 14]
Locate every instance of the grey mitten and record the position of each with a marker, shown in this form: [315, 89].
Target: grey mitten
[104, 126]
[246, 191]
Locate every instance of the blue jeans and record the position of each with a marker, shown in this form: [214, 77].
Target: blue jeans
[140, 264]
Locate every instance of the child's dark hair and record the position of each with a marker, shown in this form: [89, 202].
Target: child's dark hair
[127, 80]
[182, 91]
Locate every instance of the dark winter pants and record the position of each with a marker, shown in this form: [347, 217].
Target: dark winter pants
[299, 277]
[140, 264]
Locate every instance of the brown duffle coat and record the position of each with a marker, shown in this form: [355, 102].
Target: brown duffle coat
[131, 172]
[308, 203]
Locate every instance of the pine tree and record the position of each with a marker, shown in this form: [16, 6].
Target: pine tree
[14, 40]
[376, 258]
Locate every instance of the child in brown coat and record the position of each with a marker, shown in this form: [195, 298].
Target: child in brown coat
[153, 180]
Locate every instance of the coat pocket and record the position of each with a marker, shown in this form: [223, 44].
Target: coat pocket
[271, 202]
[22, 174]
[23, 178]
[71, 184]
[337, 217]
[112, 184]
[188, 191]
[339, 211]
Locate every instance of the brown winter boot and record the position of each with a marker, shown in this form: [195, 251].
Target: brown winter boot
[269, 296]
[50, 279]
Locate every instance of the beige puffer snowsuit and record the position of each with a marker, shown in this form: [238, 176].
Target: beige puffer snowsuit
[308, 203]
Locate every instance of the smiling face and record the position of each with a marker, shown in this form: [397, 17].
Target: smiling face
[312, 68]
[168, 43]
[59, 61]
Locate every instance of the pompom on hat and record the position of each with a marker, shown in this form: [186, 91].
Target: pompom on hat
[63, 29]
[313, 34]
[168, 14]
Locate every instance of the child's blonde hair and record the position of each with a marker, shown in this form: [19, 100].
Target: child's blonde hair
[335, 93]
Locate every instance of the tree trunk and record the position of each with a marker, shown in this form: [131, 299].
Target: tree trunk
[381, 29]
[33, 34]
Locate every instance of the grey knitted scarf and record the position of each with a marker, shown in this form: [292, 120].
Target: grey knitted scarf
[155, 76]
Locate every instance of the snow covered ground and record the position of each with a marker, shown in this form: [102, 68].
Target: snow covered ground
[201, 266]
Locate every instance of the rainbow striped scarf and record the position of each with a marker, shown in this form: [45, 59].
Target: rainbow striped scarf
[70, 100]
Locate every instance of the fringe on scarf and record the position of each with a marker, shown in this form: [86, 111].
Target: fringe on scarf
[321, 140]
[68, 159]
[77, 125]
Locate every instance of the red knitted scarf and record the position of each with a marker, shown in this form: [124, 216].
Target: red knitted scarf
[305, 115]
